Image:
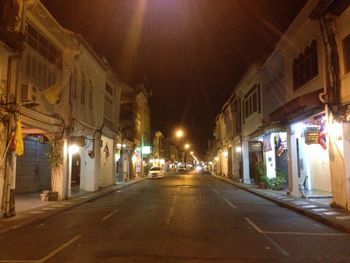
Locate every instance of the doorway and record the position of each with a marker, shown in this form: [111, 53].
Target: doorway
[76, 165]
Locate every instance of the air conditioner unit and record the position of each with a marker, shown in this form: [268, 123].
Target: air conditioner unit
[27, 94]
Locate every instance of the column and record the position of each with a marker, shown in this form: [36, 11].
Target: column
[245, 159]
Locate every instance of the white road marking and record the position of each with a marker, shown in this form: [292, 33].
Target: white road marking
[58, 249]
[253, 225]
[110, 214]
[44, 258]
[171, 212]
[216, 191]
[258, 229]
[229, 203]
[277, 246]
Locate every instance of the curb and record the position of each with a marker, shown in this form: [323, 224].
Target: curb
[290, 206]
[77, 201]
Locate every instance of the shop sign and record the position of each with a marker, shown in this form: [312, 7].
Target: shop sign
[312, 136]
[255, 147]
[146, 149]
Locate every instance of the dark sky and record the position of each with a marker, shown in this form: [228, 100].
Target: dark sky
[192, 52]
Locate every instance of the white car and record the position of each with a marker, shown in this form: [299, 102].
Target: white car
[156, 172]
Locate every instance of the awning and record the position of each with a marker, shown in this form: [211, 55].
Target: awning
[298, 108]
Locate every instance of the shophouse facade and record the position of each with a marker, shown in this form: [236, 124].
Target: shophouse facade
[56, 90]
[294, 106]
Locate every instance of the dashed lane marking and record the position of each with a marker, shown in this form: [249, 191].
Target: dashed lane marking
[229, 203]
[216, 191]
[110, 214]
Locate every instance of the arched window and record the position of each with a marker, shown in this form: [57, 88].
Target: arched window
[305, 67]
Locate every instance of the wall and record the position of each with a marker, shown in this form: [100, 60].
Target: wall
[107, 162]
[273, 83]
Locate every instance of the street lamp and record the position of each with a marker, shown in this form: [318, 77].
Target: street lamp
[187, 146]
[179, 133]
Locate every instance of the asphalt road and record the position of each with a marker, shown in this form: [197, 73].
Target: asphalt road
[180, 218]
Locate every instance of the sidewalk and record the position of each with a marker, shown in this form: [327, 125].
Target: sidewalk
[337, 218]
[32, 215]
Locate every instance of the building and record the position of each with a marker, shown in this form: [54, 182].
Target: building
[65, 100]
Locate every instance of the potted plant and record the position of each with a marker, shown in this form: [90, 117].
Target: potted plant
[263, 180]
[278, 181]
[55, 158]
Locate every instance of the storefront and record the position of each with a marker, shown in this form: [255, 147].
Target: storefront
[310, 157]
[276, 155]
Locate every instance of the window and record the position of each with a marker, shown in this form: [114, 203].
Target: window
[252, 101]
[305, 67]
[108, 104]
[39, 72]
[126, 112]
[39, 43]
[346, 50]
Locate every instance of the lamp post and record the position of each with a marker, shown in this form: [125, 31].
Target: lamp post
[186, 147]
[179, 133]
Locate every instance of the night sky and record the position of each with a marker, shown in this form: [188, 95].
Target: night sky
[192, 52]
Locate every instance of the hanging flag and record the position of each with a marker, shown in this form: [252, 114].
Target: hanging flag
[322, 140]
[53, 93]
[17, 139]
[279, 145]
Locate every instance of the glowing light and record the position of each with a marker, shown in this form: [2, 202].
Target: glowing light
[191, 153]
[134, 158]
[73, 149]
[335, 130]
[179, 133]
[225, 153]
[238, 149]
[216, 158]
[187, 146]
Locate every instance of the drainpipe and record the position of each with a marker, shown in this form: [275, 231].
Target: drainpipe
[331, 94]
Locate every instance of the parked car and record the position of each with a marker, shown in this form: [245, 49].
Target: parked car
[156, 172]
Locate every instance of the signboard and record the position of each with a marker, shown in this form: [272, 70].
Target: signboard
[311, 137]
[255, 146]
[146, 149]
